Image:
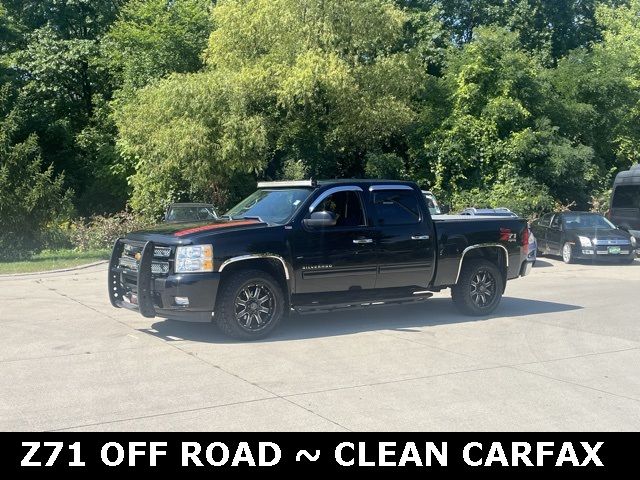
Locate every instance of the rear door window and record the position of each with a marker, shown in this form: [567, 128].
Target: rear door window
[396, 207]
[626, 196]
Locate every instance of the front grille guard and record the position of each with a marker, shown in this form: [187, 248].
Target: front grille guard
[117, 290]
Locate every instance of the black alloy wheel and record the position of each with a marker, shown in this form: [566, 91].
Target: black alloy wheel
[479, 288]
[255, 306]
[483, 288]
[250, 304]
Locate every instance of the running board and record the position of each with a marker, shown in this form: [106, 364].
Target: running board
[326, 307]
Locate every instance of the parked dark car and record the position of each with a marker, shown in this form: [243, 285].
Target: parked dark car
[582, 235]
[190, 212]
[316, 246]
[624, 210]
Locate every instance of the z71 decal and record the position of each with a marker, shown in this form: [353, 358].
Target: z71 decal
[506, 235]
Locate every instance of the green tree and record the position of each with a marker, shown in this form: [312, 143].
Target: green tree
[595, 97]
[551, 29]
[32, 198]
[153, 38]
[53, 68]
[326, 83]
[498, 123]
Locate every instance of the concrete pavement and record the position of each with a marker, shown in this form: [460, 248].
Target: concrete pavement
[562, 352]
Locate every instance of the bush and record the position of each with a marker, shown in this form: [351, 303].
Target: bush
[100, 232]
[519, 194]
[31, 199]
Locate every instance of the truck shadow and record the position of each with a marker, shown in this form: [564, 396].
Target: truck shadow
[436, 311]
[542, 264]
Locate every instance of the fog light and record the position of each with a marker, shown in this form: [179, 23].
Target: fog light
[587, 252]
[182, 301]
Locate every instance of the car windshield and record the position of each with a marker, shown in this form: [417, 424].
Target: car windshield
[190, 213]
[575, 221]
[272, 206]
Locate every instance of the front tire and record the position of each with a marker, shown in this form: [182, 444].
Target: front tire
[567, 253]
[479, 288]
[250, 305]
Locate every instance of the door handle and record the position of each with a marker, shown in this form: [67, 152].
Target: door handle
[363, 240]
[419, 237]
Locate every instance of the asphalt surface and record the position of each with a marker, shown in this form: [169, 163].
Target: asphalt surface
[561, 353]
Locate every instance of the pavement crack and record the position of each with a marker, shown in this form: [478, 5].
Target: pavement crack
[156, 415]
[575, 384]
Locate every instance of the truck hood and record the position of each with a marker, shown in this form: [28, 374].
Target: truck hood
[184, 233]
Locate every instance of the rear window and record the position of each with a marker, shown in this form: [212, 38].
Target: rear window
[396, 207]
[626, 196]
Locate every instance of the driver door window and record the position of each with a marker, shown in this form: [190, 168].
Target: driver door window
[346, 207]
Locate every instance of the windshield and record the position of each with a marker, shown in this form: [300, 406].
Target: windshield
[574, 221]
[272, 206]
[190, 213]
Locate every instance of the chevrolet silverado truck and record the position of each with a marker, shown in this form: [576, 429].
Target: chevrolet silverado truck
[310, 246]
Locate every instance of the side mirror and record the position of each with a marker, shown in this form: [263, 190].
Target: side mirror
[321, 219]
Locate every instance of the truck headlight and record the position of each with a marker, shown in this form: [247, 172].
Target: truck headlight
[585, 241]
[194, 259]
[633, 241]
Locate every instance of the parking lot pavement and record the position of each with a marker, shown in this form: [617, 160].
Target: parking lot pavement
[561, 353]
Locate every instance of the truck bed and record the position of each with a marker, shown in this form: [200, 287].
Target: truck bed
[457, 234]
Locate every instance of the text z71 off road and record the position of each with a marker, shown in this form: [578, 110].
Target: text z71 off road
[313, 246]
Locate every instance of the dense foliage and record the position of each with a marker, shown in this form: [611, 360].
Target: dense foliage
[109, 103]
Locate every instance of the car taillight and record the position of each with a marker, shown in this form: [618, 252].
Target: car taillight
[525, 237]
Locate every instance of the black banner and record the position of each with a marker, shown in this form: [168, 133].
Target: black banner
[507, 453]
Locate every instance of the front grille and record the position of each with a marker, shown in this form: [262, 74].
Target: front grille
[162, 252]
[158, 268]
[132, 249]
[614, 241]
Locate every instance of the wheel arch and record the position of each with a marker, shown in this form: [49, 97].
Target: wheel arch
[272, 264]
[494, 252]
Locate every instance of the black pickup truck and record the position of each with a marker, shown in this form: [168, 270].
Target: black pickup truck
[316, 246]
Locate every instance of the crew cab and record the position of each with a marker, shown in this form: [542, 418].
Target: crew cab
[316, 246]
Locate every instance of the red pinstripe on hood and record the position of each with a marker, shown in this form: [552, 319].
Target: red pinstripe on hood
[214, 226]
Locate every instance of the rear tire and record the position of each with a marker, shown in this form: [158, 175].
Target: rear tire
[250, 305]
[479, 288]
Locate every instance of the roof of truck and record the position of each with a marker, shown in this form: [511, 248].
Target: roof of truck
[334, 181]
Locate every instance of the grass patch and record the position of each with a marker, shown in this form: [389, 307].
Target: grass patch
[54, 260]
